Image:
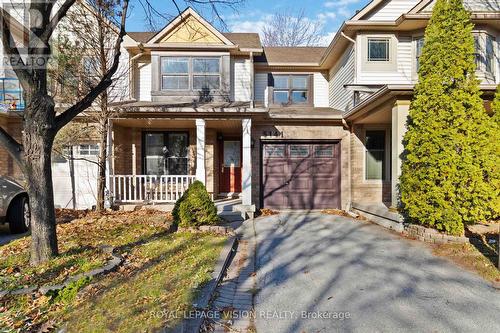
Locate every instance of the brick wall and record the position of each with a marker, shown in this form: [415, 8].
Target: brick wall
[8, 167]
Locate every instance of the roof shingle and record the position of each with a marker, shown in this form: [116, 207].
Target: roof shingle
[292, 55]
[243, 39]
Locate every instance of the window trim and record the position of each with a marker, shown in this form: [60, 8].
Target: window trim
[191, 74]
[387, 155]
[165, 142]
[365, 65]
[481, 70]
[91, 147]
[379, 39]
[309, 89]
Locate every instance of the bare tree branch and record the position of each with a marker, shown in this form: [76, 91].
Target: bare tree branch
[104, 83]
[49, 29]
[291, 29]
[22, 73]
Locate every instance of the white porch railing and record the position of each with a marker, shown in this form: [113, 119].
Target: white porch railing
[146, 188]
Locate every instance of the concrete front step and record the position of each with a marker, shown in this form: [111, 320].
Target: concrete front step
[231, 216]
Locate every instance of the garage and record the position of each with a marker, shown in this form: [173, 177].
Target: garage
[300, 175]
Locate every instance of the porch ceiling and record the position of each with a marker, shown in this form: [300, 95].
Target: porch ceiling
[162, 123]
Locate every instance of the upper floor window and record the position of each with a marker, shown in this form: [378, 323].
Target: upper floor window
[419, 45]
[484, 52]
[477, 51]
[291, 89]
[378, 49]
[174, 73]
[206, 73]
[489, 55]
[190, 73]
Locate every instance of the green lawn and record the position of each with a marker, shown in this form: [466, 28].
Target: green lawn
[160, 274]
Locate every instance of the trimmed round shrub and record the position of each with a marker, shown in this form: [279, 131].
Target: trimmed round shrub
[195, 207]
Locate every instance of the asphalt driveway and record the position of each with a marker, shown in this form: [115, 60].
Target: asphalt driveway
[6, 236]
[325, 268]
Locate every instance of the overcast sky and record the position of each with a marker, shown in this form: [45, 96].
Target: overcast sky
[254, 14]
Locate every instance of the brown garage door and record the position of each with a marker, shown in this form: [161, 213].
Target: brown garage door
[301, 175]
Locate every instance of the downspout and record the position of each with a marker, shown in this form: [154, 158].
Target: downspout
[350, 130]
[252, 79]
[131, 91]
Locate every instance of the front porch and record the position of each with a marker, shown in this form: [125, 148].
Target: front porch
[154, 160]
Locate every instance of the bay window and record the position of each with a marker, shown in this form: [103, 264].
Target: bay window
[490, 54]
[484, 53]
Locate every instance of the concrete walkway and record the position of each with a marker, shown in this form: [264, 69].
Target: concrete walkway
[324, 273]
[233, 301]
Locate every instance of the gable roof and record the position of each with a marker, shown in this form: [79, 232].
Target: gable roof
[179, 21]
[306, 55]
[243, 39]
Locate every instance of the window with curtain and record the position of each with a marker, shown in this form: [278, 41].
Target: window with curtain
[375, 155]
[291, 89]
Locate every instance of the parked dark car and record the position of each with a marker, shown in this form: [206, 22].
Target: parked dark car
[14, 206]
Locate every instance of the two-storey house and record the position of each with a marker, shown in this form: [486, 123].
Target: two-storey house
[279, 127]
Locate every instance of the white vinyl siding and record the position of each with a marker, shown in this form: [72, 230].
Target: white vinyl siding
[340, 75]
[392, 9]
[320, 90]
[400, 74]
[474, 5]
[240, 82]
[143, 81]
[260, 86]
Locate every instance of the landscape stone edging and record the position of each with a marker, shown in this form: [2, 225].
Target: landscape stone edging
[429, 235]
[194, 324]
[220, 230]
[111, 265]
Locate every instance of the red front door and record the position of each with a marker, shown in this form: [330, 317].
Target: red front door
[230, 161]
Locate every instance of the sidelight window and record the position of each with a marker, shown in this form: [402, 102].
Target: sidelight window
[375, 155]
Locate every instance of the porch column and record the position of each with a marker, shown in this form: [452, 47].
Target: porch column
[200, 150]
[109, 193]
[246, 171]
[399, 117]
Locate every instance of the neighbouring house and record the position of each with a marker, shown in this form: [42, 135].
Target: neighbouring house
[280, 127]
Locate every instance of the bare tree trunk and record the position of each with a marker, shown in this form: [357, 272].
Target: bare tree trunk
[38, 137]
[103, 152]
